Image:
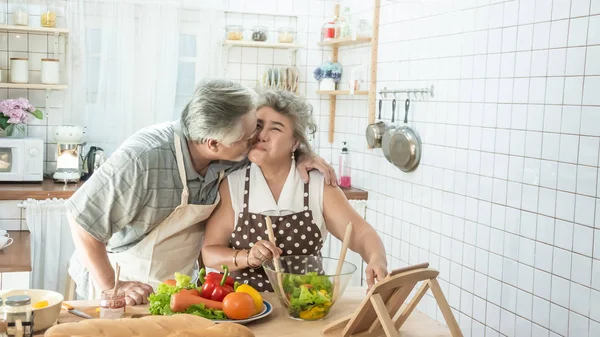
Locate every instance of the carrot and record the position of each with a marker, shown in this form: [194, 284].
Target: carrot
[171, 282]
[193, 291]
[183, 300]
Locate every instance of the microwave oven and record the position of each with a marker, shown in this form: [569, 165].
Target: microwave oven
[21, 159]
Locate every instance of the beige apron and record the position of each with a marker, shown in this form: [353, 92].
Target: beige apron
[173, 246]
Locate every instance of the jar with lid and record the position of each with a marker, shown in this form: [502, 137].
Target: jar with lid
[330, 30]
[19, 70]
[48, 17]
[19, 315]
[20, 13]
[234, 32]
[50, 71]
[112, 305]
[286, 35]
[259, 33]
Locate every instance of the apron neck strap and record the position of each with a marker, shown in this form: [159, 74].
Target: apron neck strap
[181, 169]
[247, 192]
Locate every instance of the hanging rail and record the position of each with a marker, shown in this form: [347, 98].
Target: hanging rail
[383, 93]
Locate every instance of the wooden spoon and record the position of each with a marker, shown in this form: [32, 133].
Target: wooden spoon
[345, 243]
[276, 261]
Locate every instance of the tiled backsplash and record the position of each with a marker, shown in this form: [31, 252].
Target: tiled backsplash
[504, 202]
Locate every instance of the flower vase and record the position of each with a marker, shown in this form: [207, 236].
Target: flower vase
[17, 131]
[327, 84]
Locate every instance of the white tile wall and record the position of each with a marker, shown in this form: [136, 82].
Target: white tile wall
[505, 201]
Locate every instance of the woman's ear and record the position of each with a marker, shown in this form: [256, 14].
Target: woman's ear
[295, 145]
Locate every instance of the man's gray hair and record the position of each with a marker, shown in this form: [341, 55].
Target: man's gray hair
[215, 111]
[297, 109]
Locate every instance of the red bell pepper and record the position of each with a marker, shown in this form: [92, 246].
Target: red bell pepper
[216, 289]
[215, 277]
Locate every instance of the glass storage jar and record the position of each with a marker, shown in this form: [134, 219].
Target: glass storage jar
[20, 13]
[48, 17]
[286, 35]
[234, 32]
[259, 33]
[112, 305]
[329, 31]
[19, 315]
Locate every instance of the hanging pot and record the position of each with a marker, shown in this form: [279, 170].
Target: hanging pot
[375, 131]
[405, 145]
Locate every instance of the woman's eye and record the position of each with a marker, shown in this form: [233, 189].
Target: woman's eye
[276, 129]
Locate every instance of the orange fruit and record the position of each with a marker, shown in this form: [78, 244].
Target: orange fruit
[238, 305]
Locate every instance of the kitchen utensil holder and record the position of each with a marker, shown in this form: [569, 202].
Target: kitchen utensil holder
[374, 315]
[430, 91]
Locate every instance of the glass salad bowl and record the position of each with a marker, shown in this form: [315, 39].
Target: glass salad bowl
[308, 286]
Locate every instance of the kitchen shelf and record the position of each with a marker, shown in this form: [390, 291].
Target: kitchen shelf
[258, 44]
[27, 29]
[346, 41]
[343, 92]
[34, 86]
[335, 45]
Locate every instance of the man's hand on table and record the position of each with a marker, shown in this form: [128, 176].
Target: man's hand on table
[135, 292]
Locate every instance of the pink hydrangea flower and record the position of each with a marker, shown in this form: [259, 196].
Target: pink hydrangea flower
[18, 111]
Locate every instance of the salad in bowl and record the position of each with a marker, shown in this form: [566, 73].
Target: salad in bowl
[305, 284]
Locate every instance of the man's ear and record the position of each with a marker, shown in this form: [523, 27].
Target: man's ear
[212, 145]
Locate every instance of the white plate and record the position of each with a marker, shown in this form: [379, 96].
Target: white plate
[267, 309]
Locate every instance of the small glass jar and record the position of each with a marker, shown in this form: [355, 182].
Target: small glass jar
[20, 13]
[48, 17]
[259, 33]
[328, 32]
[19, 315]
[234, 32]
[112, 306]
[50, 71]
[19, 70]
[286, 35]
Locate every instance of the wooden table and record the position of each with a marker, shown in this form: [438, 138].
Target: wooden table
[278, 324]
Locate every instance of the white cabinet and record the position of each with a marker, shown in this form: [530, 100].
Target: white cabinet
[18, 280]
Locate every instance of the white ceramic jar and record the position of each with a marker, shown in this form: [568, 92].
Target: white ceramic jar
[19, 70]
[50, 71]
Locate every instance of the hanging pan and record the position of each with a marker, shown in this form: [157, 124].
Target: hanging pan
[387, 135]
[405, 145]
[375, 131]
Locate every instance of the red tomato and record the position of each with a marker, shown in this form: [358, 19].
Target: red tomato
[238, 306]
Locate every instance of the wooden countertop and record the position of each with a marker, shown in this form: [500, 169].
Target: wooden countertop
[49, 189]
[37, 190]
[17, 256]
[278, 324]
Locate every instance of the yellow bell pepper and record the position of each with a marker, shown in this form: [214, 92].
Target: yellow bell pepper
[312, 314]
[256, 297]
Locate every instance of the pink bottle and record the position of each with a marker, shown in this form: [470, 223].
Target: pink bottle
[344, 168]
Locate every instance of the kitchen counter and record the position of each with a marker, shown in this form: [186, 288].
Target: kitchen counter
[278, 324]
[17, 256]
[49, 189]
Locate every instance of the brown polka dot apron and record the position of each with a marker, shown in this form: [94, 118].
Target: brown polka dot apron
[295, 234]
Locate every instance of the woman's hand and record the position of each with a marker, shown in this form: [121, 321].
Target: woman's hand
[376, 270]
[307, 162]
[262, 251]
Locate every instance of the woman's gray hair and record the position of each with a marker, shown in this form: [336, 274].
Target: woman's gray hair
[215, 110]
[297, 109]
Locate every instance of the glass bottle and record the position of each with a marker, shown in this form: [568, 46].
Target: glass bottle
[112, 306]
[20, 13]
[19, 314]
[345, 179]
[48, 17]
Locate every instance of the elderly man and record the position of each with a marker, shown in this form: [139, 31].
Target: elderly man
[145, 207]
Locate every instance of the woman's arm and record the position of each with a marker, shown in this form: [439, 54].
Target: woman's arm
[364, 240]
[219, 226]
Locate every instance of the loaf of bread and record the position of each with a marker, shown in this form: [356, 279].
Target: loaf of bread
[180, 325]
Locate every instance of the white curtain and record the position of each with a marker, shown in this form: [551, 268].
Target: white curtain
[124, 66]
[332, 247]
[51, 244]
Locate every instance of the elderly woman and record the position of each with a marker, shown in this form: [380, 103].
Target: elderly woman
[302, 214]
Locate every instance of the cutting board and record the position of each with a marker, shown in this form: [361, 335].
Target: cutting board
[130, 312]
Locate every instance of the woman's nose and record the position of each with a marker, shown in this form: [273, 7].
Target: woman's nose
[263, 136]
